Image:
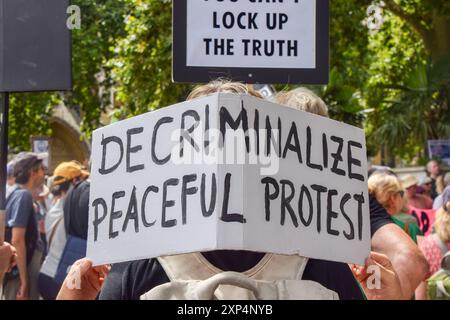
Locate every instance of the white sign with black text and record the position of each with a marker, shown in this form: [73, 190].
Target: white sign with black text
[228, 172]
[251, 41]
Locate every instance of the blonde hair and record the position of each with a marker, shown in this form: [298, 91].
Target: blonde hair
[442, 223]
[304, 100]
[225, 86]
[382, 186]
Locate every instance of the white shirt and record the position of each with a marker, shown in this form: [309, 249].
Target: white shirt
[54, 219]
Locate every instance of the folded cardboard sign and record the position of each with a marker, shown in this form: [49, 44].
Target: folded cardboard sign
[228, 172]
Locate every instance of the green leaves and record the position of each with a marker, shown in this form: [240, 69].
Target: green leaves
[390, 81]
[28, 116]
[142, 66]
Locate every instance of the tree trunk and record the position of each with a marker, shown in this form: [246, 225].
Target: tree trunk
[439, 38]
[436, 38]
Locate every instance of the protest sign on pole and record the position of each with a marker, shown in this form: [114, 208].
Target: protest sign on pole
[228, 172]
[251, 41]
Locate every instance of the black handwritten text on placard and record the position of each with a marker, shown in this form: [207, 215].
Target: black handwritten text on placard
[299, 203]
[269, 21]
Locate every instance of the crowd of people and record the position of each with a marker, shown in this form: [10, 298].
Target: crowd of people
[45, 221]
[40, 218]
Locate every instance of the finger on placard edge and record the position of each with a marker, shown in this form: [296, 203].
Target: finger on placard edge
[381, 259]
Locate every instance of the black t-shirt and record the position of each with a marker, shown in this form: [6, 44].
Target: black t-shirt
[129, 280]
[76, 210]
[20, 213]
[378, 215]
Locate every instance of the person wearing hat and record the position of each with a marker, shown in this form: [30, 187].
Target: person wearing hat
[22, 227]
[433, 170]
[436, 245]
[69, 172]
[7, 261]
[425, 186]
[416, 200]
[65, 177]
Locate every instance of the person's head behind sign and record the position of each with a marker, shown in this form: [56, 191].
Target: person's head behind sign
[304, 100]
[224, 86]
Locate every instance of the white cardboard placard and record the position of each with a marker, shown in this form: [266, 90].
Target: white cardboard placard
[158, 203]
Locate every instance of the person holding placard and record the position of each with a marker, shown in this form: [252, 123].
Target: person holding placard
[438, 201]
[65, 177]
[133, 280]
[415, 199]
[22, 227]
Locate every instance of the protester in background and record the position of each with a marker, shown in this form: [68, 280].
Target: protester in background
[65, 177]
[387, 238]
[22, 228]
[389, 193]
[434, 246]
[434, 172]
[425, 186]
[402, 214]
[416, 200]
[438, 202]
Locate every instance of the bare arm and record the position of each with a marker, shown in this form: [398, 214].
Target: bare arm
[421, 291]
[406, 257]
[18, 241]
[7, 259]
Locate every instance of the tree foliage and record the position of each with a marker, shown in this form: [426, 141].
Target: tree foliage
[102, 24]
[142, 67]
[408, 85]
[394, 81]
[28, 116]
